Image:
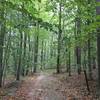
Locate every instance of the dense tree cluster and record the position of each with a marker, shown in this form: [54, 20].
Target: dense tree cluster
[41, 34]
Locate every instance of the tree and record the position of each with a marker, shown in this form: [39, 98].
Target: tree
[78, 49]
[20, 58]
[2, 36]
[89, 47]
[59, 37]
[98, 41]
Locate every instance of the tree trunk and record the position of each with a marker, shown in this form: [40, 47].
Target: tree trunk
[2, 36]
[6, 55]
[29, 55]
[36, 49]
[59, 38]
[98, 44]
[98, 55]
[89, 59]
[45, 54]
[69, 69]
[89, 48]
[24, 55]
[78, 55]
[78, 49]
[42, 53]
[20, 58]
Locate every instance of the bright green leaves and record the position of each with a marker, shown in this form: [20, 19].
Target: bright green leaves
[46, 12]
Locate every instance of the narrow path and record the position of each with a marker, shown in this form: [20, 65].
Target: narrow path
[52, 87]
[42, 87]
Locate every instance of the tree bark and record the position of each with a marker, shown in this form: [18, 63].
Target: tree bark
[89, 59]
[36, 49]
[59, 38]
[24, 54]
[42, 53]
[20, 58]
[2, 36]
[69, 69]
[78, 49]
[98, 43]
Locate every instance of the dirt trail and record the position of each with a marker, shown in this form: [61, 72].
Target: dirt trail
[52, 87]
[42, 87]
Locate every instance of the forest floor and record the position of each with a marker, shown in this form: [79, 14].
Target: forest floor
[50, 87]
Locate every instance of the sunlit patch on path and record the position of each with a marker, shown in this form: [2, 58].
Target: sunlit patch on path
[46, 88]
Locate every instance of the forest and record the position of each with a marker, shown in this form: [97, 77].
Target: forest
[49, 50]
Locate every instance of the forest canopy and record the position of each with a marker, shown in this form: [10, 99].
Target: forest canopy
[37, 35]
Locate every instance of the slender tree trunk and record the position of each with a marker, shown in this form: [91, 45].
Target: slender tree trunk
[15, 57]
[98, 44]
[36, 41]
[84, 65]
[98, 55]
[51, 47]
[36, 49]
[20, 58]
[89, 48]
[2, 36]
[78, 54]
[6, 55]
[29, 55]
[84, 69]
[89, 59]
[45, 54]
[69, 69]
[24, 55]
[42, 53]
[66, 60]
[59, 38]
[78, 49]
